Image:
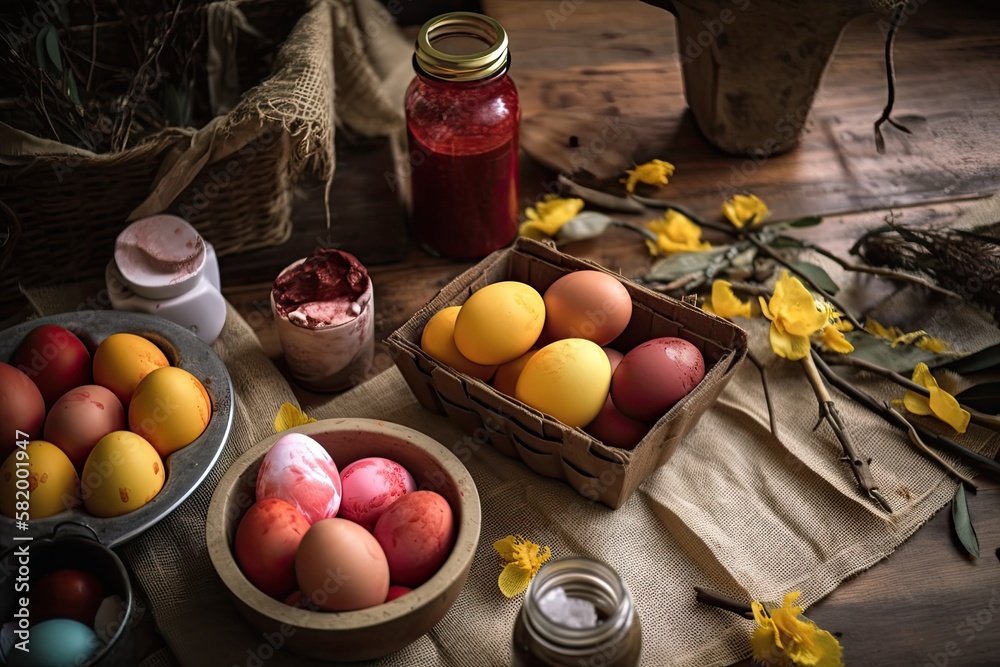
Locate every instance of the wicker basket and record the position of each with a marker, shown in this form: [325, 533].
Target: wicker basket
[550, 448]
[63, 212]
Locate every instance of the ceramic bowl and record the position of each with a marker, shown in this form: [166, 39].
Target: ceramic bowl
[368, 633]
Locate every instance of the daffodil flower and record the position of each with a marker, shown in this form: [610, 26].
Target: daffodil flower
[897, 337]
[833, 339]
[675, 233]
[726, 304]
[941, 404]
[786, 638]
[654, 172]
[548, 216]
[290, 416]
[794, 318]
[745, 210]
[523, 558]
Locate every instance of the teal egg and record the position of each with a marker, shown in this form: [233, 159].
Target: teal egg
[56, 643]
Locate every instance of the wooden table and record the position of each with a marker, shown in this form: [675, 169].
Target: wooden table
[927, 604]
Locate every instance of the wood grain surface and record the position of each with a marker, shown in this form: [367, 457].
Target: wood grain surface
[613, 64]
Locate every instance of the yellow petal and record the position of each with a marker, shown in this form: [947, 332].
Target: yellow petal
[513, 580]
[505, 547]
[835, 341]
[725, 303]
[828, 649]
[537, 230]
[917, 404]
[675, 232]
[764, 309]
[876, 329]
[947, 409]
[941, 404]
[788, 345]
[744, 210]
[932, 344]
[289, 416]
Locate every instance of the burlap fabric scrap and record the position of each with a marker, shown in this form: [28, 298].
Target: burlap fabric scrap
[736, 510]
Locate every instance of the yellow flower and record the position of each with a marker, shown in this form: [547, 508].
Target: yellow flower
[523, 558]
[941, 404]
[833, 339]
[794, 317]
[745, 210]
[675, 233]
[548, 216]
[725, 303]
[786, 638]
[655, 172]
[288, 417]
[897, 337]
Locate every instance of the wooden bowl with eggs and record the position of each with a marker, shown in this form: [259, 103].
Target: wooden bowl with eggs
[373, 632]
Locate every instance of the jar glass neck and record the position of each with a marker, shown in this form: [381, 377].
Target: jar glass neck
[583, 579]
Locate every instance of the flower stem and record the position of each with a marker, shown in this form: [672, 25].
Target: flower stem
[723, 602]
[828, 412]
[771, 417]
[927, 451]
[991, 422]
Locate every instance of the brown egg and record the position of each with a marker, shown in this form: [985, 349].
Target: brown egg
[80, 418]
[340, 566]
[586, 304]
[22, 408]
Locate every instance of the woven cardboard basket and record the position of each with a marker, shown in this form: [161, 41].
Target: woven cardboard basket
[547, 446]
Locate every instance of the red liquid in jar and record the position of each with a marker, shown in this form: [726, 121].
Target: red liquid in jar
[465, 205]
[463, 155]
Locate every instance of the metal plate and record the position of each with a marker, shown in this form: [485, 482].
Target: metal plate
[185, 468]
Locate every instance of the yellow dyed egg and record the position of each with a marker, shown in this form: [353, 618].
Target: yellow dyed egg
[499, 323]
[170, 408]
[438, 340]
[39, 480]
[122, 360]
[568, 379]
[122, 473]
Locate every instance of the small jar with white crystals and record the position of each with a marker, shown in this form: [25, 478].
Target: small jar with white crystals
[577, 611]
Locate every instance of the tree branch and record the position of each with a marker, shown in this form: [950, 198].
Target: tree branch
[828, 412]
[927, 451]
[771, 417]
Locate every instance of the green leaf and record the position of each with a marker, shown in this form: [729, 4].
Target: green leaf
[40, 57]
[982, 397]
[901, 358]
[681, 264]
[963, 522]
[586, 225]
[52, 47]
[810, 221]
[62, 13]
[72, 92]
[819, 276]
[178, 103]
[980, 361]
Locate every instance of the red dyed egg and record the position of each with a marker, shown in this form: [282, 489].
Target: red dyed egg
[299, 471]
[370, 486]
[266, 541]
[68, 593]
[22, 408]
[54, 359]
[655, 375]
[416, 533]
[80, 418]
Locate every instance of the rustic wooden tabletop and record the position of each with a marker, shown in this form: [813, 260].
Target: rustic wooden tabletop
[583, 65]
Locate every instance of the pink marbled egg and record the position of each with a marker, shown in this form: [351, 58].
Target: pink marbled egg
[370, 486]
[299, 471]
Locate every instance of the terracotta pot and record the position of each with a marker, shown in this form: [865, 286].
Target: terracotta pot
[752, 67]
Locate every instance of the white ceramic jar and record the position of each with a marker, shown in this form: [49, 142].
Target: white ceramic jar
[163, 267]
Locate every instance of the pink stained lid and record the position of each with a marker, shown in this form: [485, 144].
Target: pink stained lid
[158, 256]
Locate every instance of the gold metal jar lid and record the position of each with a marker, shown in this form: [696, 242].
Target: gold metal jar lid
[463, 29]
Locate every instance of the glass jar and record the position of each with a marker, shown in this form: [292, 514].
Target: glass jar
[462, 117]
[612, 639]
